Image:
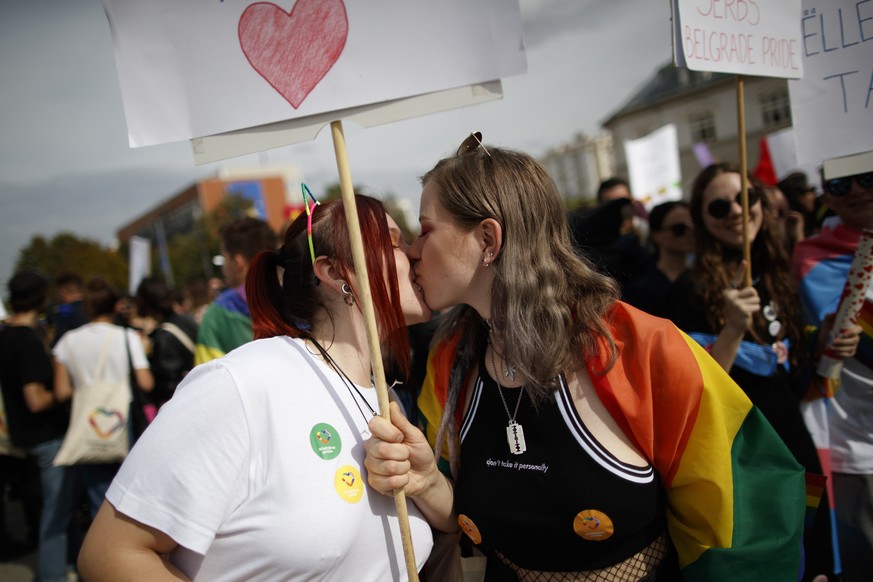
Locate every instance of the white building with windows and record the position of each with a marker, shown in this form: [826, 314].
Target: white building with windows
[703, 106]
[578, 167]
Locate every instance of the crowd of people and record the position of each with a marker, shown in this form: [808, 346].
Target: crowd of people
[69, 333]
[609, 394]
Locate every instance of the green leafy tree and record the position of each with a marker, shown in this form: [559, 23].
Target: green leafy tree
[68, 253]
[191, 253]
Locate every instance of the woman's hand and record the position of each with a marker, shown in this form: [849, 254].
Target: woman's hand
[844, 345]
[399, 457]
[740, 305]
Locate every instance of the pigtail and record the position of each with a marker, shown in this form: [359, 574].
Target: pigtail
[265, 296]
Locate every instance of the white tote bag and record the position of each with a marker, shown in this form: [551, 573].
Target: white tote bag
[98, 430]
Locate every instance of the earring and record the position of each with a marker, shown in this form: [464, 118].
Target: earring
[486, 261]
[347, 294]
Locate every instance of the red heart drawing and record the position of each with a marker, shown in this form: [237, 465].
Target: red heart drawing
[294, 51]
[868, 268]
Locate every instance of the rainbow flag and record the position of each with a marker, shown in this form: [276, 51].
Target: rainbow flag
[736, 496]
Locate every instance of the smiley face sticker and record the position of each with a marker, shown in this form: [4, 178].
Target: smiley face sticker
[348, 484]
[593, 525]
[469, 528]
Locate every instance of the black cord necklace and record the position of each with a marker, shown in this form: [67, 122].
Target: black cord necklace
[345, 380]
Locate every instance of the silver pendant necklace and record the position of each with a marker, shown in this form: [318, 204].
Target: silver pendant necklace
[514, 431]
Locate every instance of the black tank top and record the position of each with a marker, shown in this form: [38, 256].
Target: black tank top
[566, 503]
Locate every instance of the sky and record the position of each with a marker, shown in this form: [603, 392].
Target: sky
[65, 164]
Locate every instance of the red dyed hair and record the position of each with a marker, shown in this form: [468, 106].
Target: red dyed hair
[288, 308]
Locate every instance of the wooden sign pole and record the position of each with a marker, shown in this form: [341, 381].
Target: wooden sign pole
[366, 300]
[744, 180]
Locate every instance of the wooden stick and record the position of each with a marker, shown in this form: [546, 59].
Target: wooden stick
[366, 300]
[744, 180]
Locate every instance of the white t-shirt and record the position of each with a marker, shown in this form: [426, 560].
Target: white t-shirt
[255, 468]
[79, 350]
[851, 420]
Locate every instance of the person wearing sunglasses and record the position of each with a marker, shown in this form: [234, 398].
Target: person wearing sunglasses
[254, 469]
[753, 332]
[672, 236]
[821, 266]
[576, 437]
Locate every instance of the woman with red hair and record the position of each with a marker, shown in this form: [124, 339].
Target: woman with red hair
[254, 469]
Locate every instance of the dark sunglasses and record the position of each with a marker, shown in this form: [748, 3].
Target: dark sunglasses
[841, 186]
[471, 144]
[721, 207]
[678, 230]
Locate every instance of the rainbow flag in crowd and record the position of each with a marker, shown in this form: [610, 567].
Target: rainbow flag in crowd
[225, 326]
[736, 496]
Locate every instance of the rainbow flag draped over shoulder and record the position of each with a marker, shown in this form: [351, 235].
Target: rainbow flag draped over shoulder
[736, 496]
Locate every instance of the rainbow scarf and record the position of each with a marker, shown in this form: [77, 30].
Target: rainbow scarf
[736, 496]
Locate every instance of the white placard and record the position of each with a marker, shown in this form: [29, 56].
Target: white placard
[255, 139]
[139, 260]
[745, 37]
[832, 106]
[204, 67]
[653, 167]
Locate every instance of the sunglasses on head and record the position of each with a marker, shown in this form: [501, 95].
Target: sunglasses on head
[841, 186]
[721, 207]
[471, 144]
[679, 229]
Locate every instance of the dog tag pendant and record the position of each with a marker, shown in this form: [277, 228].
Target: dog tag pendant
[515, 438]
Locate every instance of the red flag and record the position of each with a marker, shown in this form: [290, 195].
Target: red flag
[764, 171]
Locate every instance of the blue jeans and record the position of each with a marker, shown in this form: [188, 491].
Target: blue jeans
[57, 512]
[96, 480]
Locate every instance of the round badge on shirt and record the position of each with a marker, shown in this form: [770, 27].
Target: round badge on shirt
[469, 528]
[593, 525]
[348, 484]
[325, 441]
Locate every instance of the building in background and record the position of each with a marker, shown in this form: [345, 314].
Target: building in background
[703, 106]
[269, 189]
[578, 167]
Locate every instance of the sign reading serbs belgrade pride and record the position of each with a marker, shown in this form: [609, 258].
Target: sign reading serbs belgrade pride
[745, 37]
[205, 67]
[832, 105]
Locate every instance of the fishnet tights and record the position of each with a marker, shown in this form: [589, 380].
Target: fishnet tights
[635, 568]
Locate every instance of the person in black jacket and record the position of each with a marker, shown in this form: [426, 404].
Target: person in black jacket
[172, 339]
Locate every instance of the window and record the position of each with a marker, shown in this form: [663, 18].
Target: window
[702, 127]
[776, 109]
